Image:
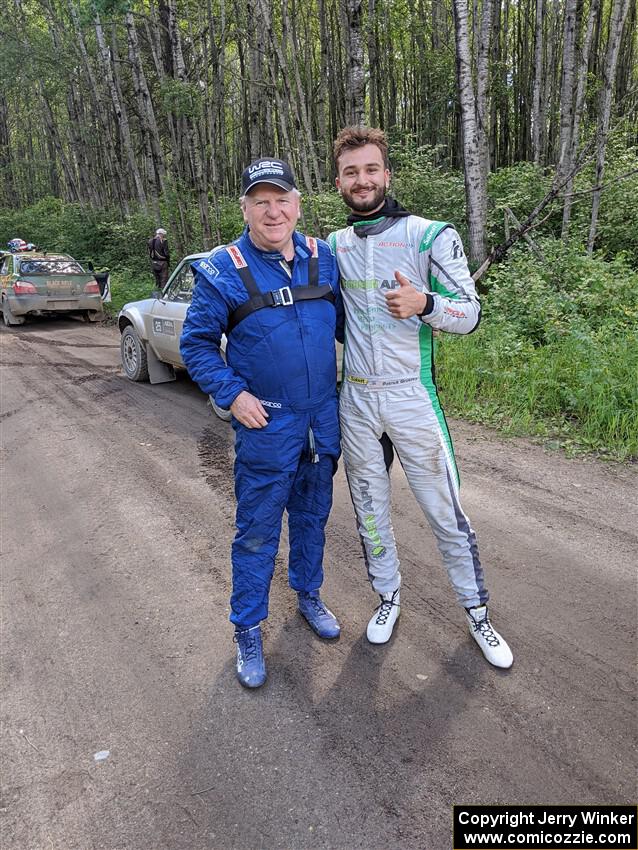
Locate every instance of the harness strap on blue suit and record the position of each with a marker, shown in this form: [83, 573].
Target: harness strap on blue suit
[284, 297]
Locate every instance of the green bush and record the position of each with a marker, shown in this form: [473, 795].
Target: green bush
[125, 286]
[555, 354]
[427, 189]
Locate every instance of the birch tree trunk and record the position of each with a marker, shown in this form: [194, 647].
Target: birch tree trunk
[537, 128]
[121, 112]
[581, 86]
[73, 193]
[7, 189]
[567, 90]
[87, 185]
[482, 78]
[104, 124]
[184, 130]
[309, 151]
[474, 169]
[355, 74]
[618, 15]
[548, 98]
[322, 93]
[156, 169]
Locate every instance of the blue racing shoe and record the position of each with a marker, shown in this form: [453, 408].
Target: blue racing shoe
[322, 621]
[251, 667]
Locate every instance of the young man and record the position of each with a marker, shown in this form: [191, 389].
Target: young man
[402, 277]
[275, 294]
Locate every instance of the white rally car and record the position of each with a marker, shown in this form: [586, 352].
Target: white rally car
[150, 330]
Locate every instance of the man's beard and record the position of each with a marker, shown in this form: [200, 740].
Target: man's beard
[371, 204]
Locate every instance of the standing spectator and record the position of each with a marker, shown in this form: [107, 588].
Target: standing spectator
[160, 257]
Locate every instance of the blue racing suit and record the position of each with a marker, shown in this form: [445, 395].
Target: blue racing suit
[285, 356]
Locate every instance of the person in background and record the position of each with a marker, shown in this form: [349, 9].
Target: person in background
[160, 257]
[402, 277]
[275, 294]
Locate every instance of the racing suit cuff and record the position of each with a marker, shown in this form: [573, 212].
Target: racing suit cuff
[225, 397]
[429, 305]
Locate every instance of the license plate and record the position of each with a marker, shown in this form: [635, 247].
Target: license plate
[60, 284]
[61, 305]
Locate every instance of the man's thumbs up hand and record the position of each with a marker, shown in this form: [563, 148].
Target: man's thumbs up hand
[405, 301]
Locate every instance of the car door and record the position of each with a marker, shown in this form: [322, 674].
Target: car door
[168, 314]
[6, 270]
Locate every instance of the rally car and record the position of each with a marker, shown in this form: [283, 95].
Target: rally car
[150, 330]
[36, 283]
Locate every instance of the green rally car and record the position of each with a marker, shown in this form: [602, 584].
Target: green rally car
[36, 282]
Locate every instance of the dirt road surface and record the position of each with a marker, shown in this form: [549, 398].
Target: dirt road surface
[117, 521]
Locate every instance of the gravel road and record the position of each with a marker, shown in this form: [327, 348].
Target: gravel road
[117, 506]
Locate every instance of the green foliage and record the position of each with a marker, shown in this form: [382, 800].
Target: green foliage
[327, 208]
[230, 220]
[101, 237]
[555, 354]
[520, 187]
[183, 100]
[617, 230]
[126, 286]
[428, 189]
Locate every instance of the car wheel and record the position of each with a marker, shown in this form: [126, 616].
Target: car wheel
[7, 316]
[222, 412]
[133, 354]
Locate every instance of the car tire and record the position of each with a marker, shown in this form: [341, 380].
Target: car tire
[7, 316]
[222, 412]
[133, 355]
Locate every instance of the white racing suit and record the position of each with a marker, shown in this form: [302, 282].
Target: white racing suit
[389, 389]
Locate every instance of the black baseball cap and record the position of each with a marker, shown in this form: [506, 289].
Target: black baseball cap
[265, 170]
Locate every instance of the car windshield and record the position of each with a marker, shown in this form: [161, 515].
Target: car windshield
[50, 266]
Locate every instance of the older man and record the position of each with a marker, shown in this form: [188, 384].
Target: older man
[275, 294]
[160, 257]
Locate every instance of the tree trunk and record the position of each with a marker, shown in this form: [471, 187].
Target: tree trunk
[537, 128]
[7, 189]
[69, 176]
[104, 123]
[474, 169]
[581, 87]
[567, 90]
[156, 169]
[121, 113]
[482, 78]
[618, 15]
[355, 73]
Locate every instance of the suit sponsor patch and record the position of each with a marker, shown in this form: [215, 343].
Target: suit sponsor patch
[211, 270]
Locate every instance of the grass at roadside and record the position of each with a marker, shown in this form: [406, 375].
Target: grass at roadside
[580, 394]
[125, 286]
[556, 355]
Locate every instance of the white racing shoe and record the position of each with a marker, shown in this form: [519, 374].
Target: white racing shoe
[383, 620]
[492, 645]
